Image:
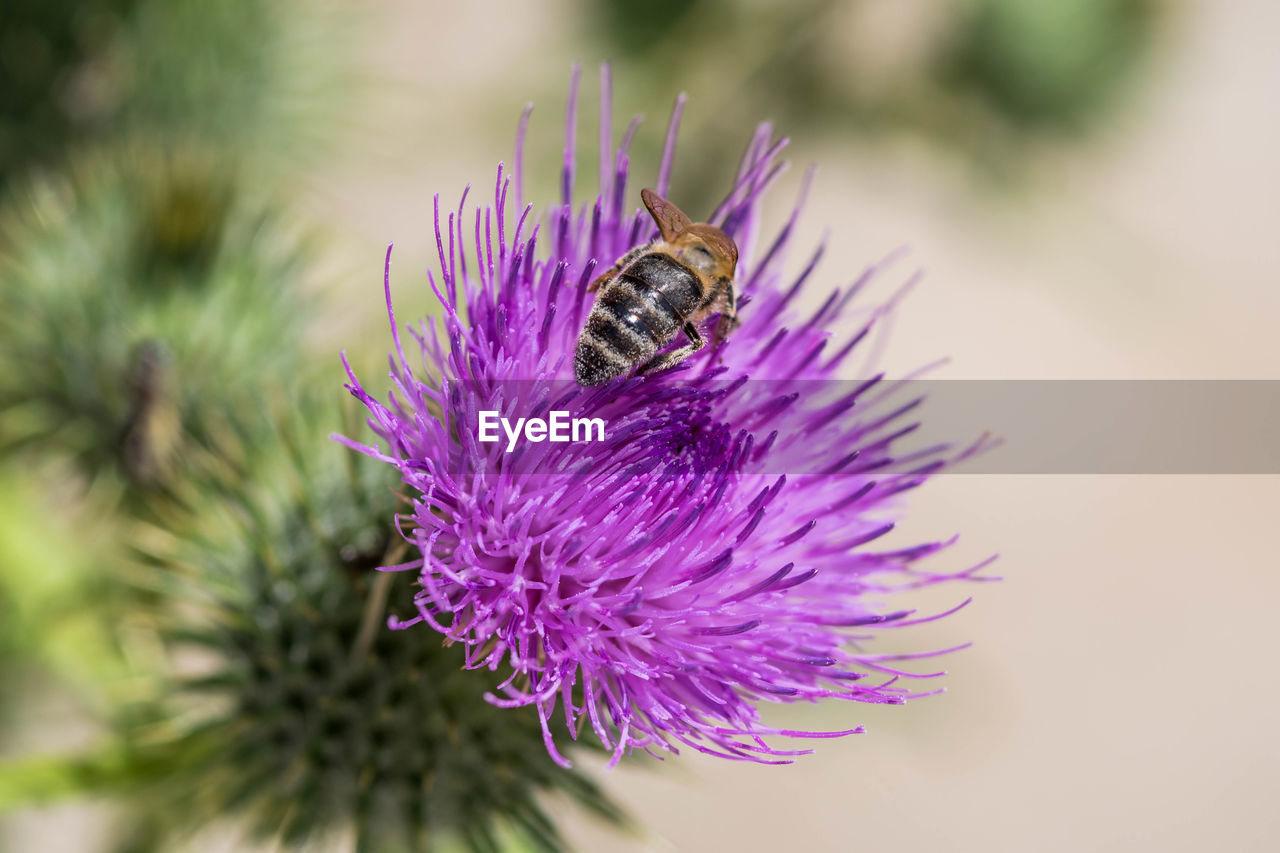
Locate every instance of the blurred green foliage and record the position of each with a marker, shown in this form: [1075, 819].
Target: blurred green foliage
[267, 80]
[983, 78]
[35, 543]
[281, 696]
[1050, 65]
[637, 27]
[182, 546]
[143, 295]
[259, 78]
[50, 568]
[51, 51]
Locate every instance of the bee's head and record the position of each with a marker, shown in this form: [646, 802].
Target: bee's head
[701, 245]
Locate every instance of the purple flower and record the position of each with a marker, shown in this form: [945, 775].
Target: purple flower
[720, 546]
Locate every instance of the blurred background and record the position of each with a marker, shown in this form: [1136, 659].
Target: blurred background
[196, 202]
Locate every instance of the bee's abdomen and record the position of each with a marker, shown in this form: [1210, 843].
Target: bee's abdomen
[645, 305]
[635, 315]
[618, 334]
[675, 283]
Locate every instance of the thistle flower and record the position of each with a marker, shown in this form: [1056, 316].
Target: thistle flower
[718, 548]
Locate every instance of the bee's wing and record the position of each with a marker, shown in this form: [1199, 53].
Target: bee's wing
[671, 219]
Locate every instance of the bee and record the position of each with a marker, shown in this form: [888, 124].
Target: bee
[655, 291]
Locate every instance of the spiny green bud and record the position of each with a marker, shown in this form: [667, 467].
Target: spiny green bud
[312, 717]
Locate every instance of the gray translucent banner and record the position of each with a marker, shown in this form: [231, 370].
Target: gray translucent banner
[877, 427]
[1110, 427]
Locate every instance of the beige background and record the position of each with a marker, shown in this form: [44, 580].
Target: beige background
[1122, 690]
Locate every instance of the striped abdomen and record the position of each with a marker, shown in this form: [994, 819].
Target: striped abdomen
[636, 314]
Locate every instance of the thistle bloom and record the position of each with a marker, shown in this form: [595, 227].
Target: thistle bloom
[718, 547]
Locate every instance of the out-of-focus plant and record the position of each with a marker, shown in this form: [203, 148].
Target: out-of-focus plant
[148, 272]
[636, 27]
[263, 78]
[56, 600]
[50, 52]
[225, 627]
[1047, 66]
[152, 271]
[286, 701]
[983, 77]
[142, 294]
[258, 77]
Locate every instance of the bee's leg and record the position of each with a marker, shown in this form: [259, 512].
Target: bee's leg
[670, 359]
[599, 280]
[725, 301]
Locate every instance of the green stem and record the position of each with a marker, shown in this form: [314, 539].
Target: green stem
[374, 610]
